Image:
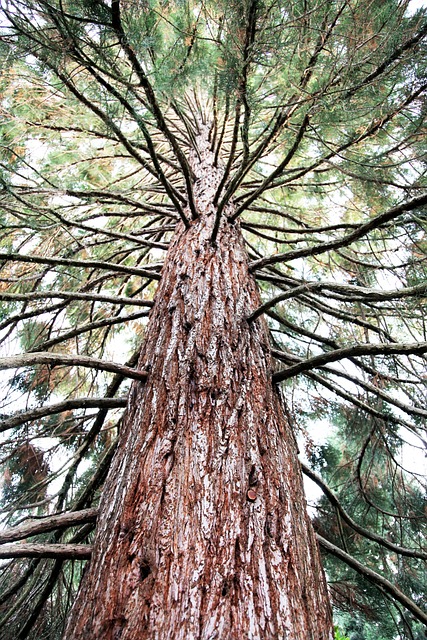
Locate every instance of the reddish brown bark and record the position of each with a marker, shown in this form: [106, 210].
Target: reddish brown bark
[203, 531]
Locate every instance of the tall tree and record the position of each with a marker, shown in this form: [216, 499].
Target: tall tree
[229, 199]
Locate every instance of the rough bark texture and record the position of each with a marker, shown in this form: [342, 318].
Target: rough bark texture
[203, 531]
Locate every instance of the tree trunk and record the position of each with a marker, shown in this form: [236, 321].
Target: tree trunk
[203, 531]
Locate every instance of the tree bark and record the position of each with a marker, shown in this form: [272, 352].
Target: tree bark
[203, 531]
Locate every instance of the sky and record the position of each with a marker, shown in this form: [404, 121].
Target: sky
[416, 4]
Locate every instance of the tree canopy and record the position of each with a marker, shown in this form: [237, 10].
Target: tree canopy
[316, 112]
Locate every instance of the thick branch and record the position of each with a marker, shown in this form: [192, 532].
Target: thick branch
[170, 190]
[91, 326]
[276, 173]
[50, 523]
[406, 46]
[374, 577]
[370, 388]
[84, 264]
[363, 230]
[226, 172]
[417, 348]
[154, 106]
[66, 405]
[347, 293]
[73, 295]
[412, 553]
[55, 359]
[63, 551]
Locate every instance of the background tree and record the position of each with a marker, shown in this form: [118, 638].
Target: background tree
[302, 123]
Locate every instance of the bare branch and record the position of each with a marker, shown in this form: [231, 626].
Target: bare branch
[73, 295]
[418, 348]
[84, 264]
[347, 293]
[66, 405]
[48, 523]
[277, 172]
[56, 359]
[411, 553]
[152, 101]
[363, 230]
[375, 578]
[56, 551]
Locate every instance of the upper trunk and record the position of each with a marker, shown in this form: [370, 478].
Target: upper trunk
[203, 530]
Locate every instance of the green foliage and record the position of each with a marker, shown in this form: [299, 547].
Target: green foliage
[381, 490]
[338, 635]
